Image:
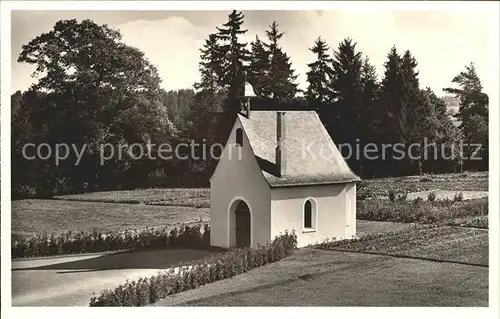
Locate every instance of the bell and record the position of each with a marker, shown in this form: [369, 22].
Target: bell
[249, 91]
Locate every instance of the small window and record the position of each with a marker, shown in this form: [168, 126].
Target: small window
[239, 137]
[309, 215]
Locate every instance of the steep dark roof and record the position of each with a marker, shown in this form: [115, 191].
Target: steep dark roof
[310, 154]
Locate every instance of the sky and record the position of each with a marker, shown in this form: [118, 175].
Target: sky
[442, 42]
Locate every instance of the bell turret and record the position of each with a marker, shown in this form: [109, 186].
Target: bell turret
[248, 94]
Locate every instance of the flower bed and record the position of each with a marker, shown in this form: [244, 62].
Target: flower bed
[471, 213]
[150, 290]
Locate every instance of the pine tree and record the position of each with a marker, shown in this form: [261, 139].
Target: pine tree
[473, 110]
[472, 100]
[259, 67]
[370, 90]
[347, 65]
[347, 95]
[319, 75]
[211, 66]
[280, 84]
[236, 55]
[391, 110]
[410, 117]
[415, 114]
[390, 97]
[369, 127]
[209, 99]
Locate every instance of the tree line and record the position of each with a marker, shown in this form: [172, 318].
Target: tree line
[93, 89]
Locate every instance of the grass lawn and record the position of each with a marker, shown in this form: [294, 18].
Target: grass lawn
[316, 277]
[36, 216]
[370, 282]
[192, 197]
[319, 277]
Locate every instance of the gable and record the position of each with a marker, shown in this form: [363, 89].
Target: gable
[238, 161]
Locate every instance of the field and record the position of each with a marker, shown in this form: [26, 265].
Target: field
[36, 216]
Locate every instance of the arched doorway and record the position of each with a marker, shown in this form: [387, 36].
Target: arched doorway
[242, 224]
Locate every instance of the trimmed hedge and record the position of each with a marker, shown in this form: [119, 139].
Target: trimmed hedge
[150, 290]
[96, 241]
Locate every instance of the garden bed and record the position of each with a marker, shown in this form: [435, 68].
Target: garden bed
[472, 213]
[444, 243]
[381, 187]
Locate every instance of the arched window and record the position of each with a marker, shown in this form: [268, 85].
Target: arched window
[239, 137]
[310, 215]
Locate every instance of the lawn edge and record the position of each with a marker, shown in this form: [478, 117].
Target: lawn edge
[104, 253]
[405, 256]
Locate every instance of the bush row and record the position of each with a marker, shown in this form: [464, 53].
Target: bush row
[431, 197]
[96, 241]
[149, 290]
[420, 211]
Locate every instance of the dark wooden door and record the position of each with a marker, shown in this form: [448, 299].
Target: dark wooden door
[243, 225]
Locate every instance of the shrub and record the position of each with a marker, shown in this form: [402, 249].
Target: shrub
[426, 180]
[417, 200]
[431, 197]
[402, 197]
[459, 197]
[363, 191]
[392, 195]
[96, 241]
[149, 290]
